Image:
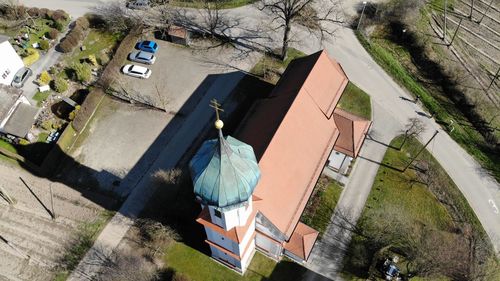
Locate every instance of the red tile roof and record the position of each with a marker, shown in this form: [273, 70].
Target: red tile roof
[292, 133]
[302, 241]
[352, 129]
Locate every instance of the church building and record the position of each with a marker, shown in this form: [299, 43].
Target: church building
[253, 188]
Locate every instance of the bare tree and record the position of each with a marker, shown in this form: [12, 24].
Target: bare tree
[316, 16]
[212, 16]
[414, 128]
[118, 18]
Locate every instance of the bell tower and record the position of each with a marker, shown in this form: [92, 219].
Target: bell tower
[225, 172]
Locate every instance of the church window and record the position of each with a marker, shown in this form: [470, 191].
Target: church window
[217, 213]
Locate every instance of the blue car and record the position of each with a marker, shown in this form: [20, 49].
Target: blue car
[148, 46]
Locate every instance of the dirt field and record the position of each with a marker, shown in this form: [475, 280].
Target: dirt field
[32, 244]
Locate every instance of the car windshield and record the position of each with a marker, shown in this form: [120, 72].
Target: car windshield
[146, 43]
[155, 45]
[144, 56]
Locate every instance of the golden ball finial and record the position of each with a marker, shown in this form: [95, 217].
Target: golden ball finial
[219, 124]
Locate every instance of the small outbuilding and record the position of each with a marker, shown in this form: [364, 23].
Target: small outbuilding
[175, 34]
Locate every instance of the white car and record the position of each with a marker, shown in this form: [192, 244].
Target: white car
[136, 71]
[142, 57]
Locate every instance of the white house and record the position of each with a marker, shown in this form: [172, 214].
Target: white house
[11, 62]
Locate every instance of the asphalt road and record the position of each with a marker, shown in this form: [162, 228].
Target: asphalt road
[480, 189]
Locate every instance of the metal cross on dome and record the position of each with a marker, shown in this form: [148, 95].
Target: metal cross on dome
[215, 105]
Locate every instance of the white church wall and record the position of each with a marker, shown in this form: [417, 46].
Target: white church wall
[244, 213]
[230, 218]
[247, 258]
[222, 241]
[218, 220]
[247, 237]
[218, 254]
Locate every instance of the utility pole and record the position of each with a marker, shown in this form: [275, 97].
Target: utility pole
[362, 13]
[455, 33]
[420, 151]
[485, 11]
[444, 26]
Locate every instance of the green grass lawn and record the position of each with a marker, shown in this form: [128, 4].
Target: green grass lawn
[388, 57]
[42, 137]
[96, 43]
[401, 204]
[320, 207]
[356, 101]
[270, 68]
[4, 145]
[39, 97]
[199, 267]
[38, 30]
[225, 4]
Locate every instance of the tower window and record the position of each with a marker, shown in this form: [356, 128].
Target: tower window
[217, 213]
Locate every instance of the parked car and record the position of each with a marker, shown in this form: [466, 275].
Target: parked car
[138, 4]
[142, 57]
[21, 76]
[148, 46]
[137, 71]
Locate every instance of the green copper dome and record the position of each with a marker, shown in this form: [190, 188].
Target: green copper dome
[224, 171]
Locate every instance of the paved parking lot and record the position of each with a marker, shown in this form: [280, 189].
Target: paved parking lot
[123, 140]
[178, 72]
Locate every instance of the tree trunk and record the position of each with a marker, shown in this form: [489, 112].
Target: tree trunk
[284, 48]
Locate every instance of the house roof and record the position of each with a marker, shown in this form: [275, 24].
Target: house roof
[292, 133]
[352, 132]
[21, 121]
[8, 97]
[224, 171]
[302, 241]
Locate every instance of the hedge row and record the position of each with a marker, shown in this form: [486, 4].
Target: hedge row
[74, 37]
[113, 68]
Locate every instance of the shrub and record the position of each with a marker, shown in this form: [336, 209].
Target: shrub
[73, 113]
[31, 57]
[82, 22]
[59, 15]
[60, 85]
[65, 46]
[92, 59]
[45, 78]
[82, 71]
[43, 12]
[44, 45]
[58, 25]
[48, 14]
[34, 12]
[52, 33]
